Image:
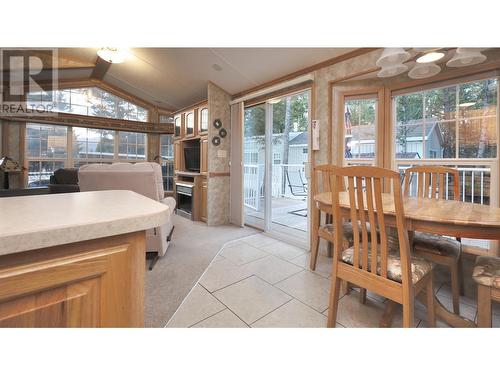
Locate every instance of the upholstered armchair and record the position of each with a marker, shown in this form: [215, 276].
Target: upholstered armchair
[143, 178]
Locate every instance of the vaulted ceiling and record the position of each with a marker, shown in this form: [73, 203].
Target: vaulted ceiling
[177, 77]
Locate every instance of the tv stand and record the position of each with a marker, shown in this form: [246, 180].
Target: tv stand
[188, 191]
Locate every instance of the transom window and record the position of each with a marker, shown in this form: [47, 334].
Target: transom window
[89, 101]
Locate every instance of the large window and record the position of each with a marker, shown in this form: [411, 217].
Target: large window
[88, 101]
[47, 149]
[452, 122]
[167, 161]
[96, 145]
[132, 146]
[454, 125]
[360, 121]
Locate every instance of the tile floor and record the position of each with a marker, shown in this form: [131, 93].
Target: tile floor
[261, 282]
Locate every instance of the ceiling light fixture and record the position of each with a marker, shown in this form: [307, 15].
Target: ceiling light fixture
[391, 71]
[392, 56]
[113, 55]
[466, 57]
[424, 71]
[430, 57]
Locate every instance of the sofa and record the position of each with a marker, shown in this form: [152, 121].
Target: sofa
[143, 178]
[64, 180]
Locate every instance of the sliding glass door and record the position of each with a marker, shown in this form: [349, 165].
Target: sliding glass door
[276, 153]
[254, 154]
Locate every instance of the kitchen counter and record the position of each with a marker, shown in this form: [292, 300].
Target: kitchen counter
[75, 260]
[34, 222]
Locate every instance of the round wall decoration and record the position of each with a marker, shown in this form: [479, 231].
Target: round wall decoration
[223, 133]
[217, 123]
[216, 141]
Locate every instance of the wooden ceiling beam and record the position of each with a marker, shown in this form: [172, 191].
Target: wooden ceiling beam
[101, 68]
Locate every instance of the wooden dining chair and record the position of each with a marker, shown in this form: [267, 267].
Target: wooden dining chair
[432, 182]
[324, 229]
[369, 263]
[486, 274]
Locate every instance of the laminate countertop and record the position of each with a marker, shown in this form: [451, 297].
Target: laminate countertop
[39, 221]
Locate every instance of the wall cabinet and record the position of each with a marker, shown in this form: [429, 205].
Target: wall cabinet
[193, 134]
[178, 126]
[203, 120]
[189, 120]
[177, 156]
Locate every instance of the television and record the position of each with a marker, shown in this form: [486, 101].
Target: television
[192, 158]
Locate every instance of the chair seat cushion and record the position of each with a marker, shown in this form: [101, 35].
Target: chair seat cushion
[419, 267]
[425, 242]
[487, 271]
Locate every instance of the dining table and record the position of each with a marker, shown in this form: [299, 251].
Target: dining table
[437, 216]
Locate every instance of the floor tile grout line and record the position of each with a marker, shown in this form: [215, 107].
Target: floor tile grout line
[293, 299]
[228, 285]
[283, 304]
[203, 274]
[227, 307]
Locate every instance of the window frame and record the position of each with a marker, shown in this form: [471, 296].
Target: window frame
[492, 163]
[168, 161]
[359, 94]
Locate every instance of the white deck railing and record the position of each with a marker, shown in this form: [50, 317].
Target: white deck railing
[253, 186]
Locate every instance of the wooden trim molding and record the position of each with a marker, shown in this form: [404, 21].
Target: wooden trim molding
[69, 119]
[309, 69]
[190, 107]
[280, 93]
[219, 174]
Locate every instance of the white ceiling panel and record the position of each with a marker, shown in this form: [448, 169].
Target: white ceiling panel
[177, 77]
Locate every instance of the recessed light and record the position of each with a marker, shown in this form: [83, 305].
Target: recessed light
[430, 57]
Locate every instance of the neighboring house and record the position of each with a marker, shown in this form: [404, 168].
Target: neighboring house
[410, 144]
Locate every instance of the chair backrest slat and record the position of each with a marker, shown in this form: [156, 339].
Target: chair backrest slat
[381, 227]
[354, 219]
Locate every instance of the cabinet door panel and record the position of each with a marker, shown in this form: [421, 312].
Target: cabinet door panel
[97, 283]
[204, 191]
[204, 155]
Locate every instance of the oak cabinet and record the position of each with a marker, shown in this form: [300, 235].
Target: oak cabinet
[189, 120]
[203, 120]
[96, 283]
[178, 126]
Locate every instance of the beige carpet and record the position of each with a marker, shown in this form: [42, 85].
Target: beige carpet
[193, 247]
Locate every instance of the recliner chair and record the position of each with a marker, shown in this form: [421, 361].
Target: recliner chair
[143, 178]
